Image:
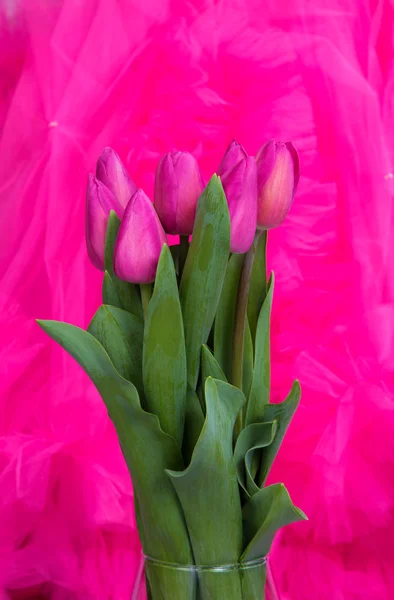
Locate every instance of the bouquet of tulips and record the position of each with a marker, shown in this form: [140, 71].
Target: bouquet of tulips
[180, 353]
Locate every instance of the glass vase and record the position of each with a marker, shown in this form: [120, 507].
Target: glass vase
[157, 580]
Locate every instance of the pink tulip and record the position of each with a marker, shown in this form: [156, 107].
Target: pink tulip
[112, 172]
[239, 179]
[278, 172]
[99, 202]
[139, 242]
[178, 185]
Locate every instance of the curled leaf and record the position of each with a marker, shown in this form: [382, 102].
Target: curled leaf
[282, 413]
[208, 488]
[267, 511]
[250, 440]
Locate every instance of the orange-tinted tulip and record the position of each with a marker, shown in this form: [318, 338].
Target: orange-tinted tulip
[278, 172]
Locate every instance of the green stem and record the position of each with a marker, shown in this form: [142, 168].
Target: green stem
[240, 322]
[183, 250]
[146, 294]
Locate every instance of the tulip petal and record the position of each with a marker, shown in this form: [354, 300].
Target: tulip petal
[99, 202]
[178, 185]
[276, 192]
[166, 193]
[112, 172]
[265, 160]
[296, 164]
[140, 240]
[190, 187]
[234, 154]
[127, 293]
[239, 178]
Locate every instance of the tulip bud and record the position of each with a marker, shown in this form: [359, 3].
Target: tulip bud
[178, 185]
[139, 242]
[278, 172]
[238, 173]
[112, 172]
[99, 202]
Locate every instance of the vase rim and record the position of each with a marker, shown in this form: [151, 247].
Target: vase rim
[239, 566]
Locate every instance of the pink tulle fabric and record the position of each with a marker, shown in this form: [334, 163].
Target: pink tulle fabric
[146, 77]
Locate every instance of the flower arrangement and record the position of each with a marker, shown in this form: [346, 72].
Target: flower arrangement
[180, 353]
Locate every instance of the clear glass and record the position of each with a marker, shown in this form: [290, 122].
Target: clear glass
[158, 580]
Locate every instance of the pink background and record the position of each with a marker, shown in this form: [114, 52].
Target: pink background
[145, 77]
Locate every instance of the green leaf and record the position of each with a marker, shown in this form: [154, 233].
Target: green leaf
[127, 292]
[194, 422]
[282, 413]
[247, 374]
[210, 366]
[110, 294]
[110, 241]
[251, 439]
[138, 519]
[258, 284]
[224, 320]
[253, 580]
[208, 488]
[204, 272]
[260, 390]
[121, 334]
[167, 583]
[147, 449]
[266, 512]
[164, 355]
